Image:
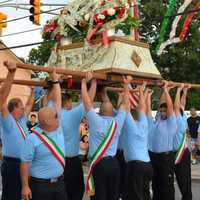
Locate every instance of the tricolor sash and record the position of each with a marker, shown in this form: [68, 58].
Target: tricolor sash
[21, 130]
[181, 150]
[97, 156]
[52, 146]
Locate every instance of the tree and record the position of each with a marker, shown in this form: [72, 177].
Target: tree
[40, 55]
[180, 62]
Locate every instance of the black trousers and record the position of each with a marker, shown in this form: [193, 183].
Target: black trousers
[106, 176]
[73, 177]
[122, 165]
[138, 177]
[163, 175]
[45, 190]
[11, 183]
[183, 176]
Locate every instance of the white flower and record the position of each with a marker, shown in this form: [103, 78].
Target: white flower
[100, 16]
[127, 5]
[111, 11]
[87, 17]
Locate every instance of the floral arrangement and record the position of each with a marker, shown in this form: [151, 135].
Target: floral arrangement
[108, 15]
[88, 19]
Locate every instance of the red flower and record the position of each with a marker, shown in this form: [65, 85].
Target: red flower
[122, 11]
[58, 37]
[103, 3]
[105, 13]
[96, 19]
[82, 23]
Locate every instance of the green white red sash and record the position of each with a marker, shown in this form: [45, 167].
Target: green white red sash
[52, 146]
[181, 150]
[21, 130]
[99, 153]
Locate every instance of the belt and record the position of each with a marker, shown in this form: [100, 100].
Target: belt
[108, 157]
[164, 153]
[51, 180]
[72, 158]
[10, 159]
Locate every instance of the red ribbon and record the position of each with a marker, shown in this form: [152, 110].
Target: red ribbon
[69, 83]
[92, 32]
[105, 38]
[187, 22]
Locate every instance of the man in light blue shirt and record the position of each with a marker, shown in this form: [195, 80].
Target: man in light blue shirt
[70, 122]
[106, 170]
[43, 155]
[14, 132]
[183, 157]
[135, 146]
[162, 133]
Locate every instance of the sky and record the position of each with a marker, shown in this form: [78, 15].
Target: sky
[24, 24]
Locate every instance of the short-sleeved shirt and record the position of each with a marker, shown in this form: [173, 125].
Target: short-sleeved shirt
[42, 162]
[135, 138]
[198, 129]
[99, 126]
[70, 122]
[181, 130]
[12, 139]
[193, 124]
[161, 134]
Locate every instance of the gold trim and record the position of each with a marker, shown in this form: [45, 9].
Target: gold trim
[124, 71]
[124, 39]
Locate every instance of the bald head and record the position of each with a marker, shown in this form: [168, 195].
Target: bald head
[48, 118]
[106, 108]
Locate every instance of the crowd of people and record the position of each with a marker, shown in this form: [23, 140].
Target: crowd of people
[127, 149]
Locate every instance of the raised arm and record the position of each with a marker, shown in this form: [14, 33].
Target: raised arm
[56, 91]
[142, 103]
[125, 100]
[148, 103]
[184, 96]
[177, 103]
[169, 103]
[30, 102]
[169, 87]
[6, 87]
[87, 101]
[92, 90]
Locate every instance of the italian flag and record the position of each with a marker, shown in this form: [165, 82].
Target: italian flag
[181, 150]
[98, 155]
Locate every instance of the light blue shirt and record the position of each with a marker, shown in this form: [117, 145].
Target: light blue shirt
[181, 130]
[161, 134]
[70, 122]
[198, 129]
[12, 140]
[135, 139]
[98, 127]
[42, 162]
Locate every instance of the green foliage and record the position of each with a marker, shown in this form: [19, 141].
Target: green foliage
[180, 62]
[40, 55]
